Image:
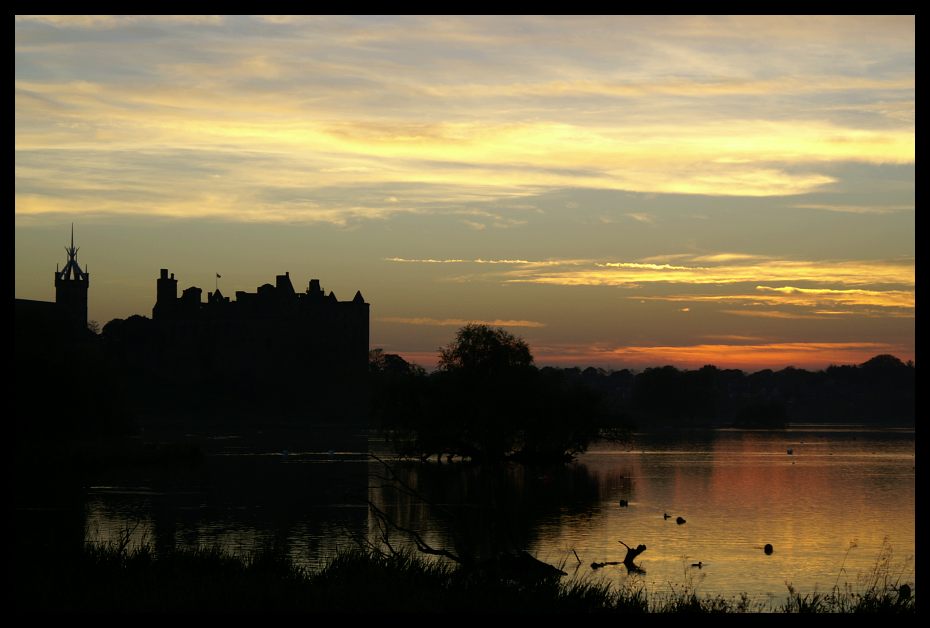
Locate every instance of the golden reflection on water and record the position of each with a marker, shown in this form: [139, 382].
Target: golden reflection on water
[742, 490]
[827, 509]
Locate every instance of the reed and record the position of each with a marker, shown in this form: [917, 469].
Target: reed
[118, 577]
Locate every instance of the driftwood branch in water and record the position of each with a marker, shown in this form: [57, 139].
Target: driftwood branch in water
[631, 554]
[395, 482]
[596, 565]
[421, 545]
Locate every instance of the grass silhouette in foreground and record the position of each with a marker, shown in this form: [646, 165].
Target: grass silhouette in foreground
[113, 577]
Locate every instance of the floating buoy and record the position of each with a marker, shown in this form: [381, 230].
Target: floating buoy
[680, 520]
[768, 549]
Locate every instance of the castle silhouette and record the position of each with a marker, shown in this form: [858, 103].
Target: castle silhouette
[67, 315]
[275, 347]
[272, 349]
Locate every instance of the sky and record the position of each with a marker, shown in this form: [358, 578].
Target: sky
[621, 192]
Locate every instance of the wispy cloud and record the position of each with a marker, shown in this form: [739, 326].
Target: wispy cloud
[664, 259]
[776, 314]
[819, 296]
[842, 272]
[722, 130]
[808, 297]
[748, 356]
[114, 21]
[856, 209]
[458, 322]
[516, 262]
[641, 266]
[425, 261]
[674, 86]
[348, 101]
[729, 257]
[720, 269]
[734, 337]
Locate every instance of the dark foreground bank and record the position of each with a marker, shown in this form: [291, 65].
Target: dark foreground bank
[113, 578]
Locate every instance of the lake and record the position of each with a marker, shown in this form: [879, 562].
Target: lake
[843, 498]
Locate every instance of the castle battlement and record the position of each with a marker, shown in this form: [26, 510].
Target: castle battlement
[274, 331]
[268, 301]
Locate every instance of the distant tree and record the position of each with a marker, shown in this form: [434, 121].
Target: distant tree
[658, 396]
[883, 362]
[94, 327]
[482, 350]
[488, 402]
[392, 364]
[398, 392]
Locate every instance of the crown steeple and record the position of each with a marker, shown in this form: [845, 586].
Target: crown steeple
[71, 283]
[72, 270]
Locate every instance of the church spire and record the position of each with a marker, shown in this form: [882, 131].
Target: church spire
[71, 284]
[72, 270]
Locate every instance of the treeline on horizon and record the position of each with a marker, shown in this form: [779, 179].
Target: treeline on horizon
[100, 383]
[880, 391]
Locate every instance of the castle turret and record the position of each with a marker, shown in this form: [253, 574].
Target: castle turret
[71, 286]
[284, 286]
[166, 297]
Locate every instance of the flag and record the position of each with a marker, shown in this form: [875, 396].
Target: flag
[219, 276]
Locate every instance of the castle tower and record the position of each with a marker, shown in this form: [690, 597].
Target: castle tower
[71, 285]
[166, 296]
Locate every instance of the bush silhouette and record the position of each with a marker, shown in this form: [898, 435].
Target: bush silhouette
[487, 401]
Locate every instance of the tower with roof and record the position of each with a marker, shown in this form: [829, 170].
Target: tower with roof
[71, 285]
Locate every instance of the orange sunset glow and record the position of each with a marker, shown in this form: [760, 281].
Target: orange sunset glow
[621, 192]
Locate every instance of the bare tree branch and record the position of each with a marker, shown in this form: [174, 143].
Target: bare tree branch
[631, 555]
[418, 540]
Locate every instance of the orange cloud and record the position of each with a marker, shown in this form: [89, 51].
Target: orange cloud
[774, 314]
[515, 262]
[810, 355]
[815, 296]
[848, 272]
[458, 322]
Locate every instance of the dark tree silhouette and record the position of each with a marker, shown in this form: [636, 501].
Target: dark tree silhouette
[398, 393]
[482, 350]
[488, 402]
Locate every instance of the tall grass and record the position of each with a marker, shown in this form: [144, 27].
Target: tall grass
[884, 589]
[116, 576]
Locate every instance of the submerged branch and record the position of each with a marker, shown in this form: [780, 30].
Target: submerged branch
[421, 544]
[631, 554]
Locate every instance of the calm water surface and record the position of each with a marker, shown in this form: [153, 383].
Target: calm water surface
[828, 509]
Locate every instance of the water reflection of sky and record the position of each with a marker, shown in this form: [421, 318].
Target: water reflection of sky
[827, 509]
[741, 490]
